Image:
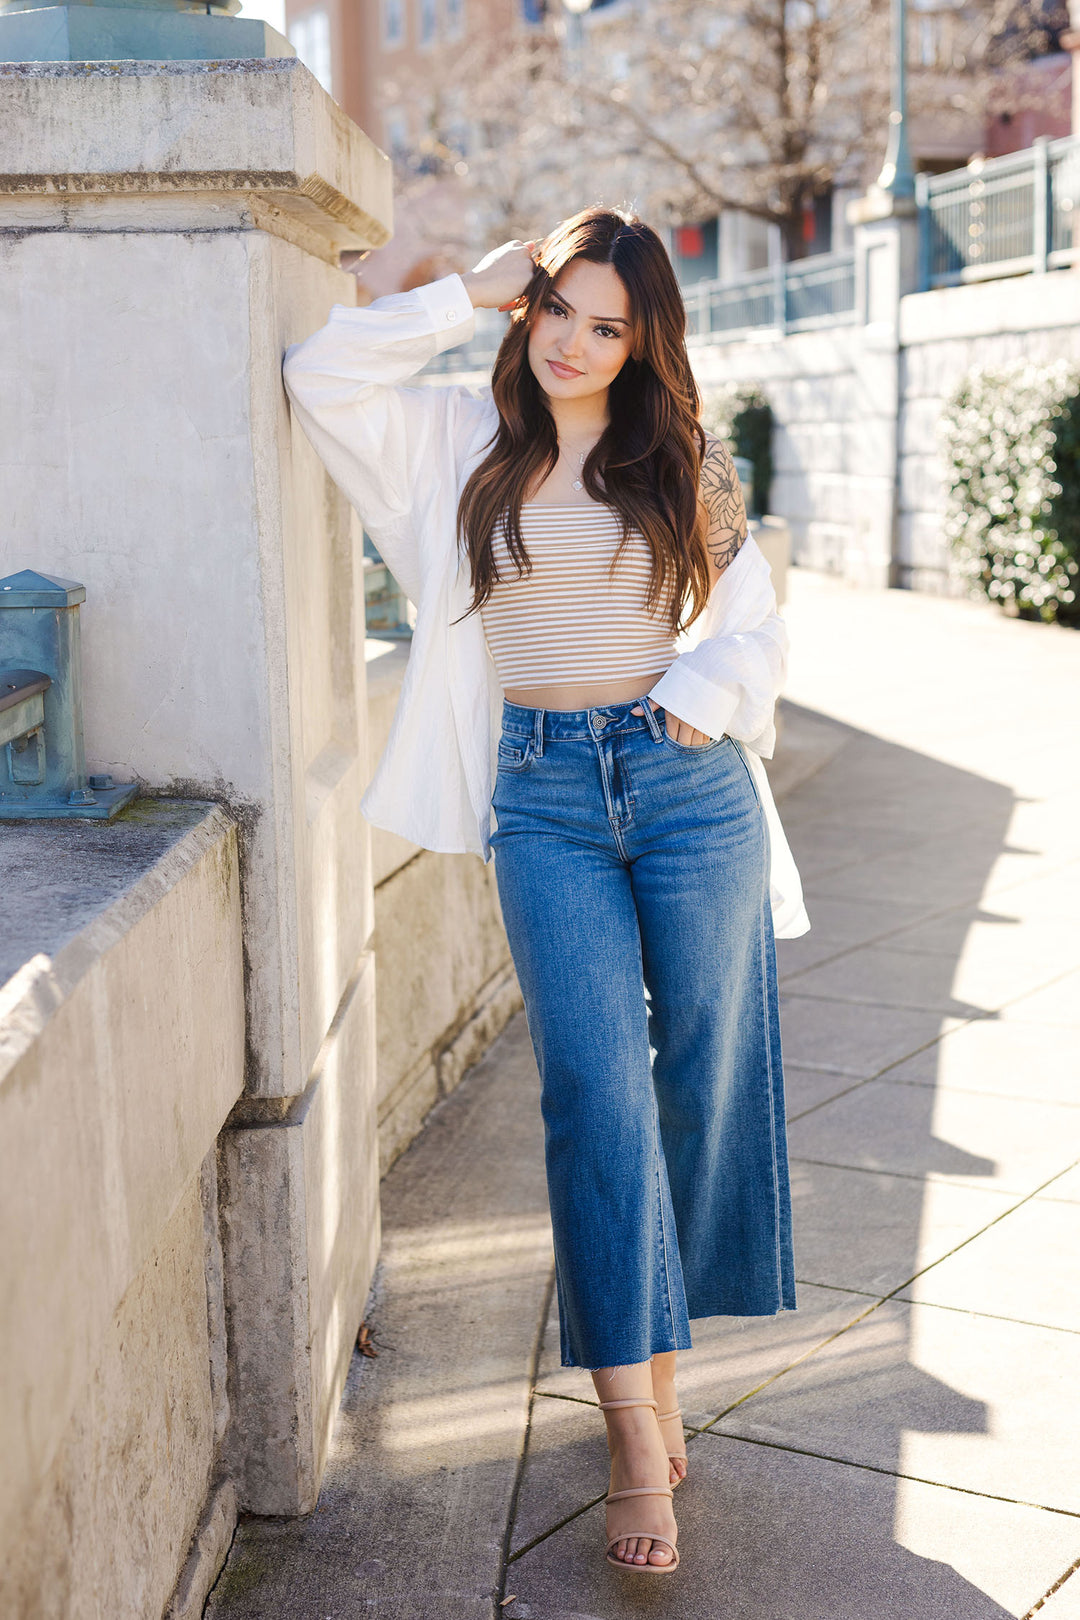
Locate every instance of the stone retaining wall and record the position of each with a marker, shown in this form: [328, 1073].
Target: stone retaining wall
[121, 1054]
[856, 406]
[943, 335]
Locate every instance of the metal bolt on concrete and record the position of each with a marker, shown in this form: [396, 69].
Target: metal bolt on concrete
[903, 1445]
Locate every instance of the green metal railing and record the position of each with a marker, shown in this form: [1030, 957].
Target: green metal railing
[1001, 216]
[818, 291]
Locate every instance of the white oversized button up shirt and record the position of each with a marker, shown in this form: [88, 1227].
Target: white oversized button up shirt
[402, 455]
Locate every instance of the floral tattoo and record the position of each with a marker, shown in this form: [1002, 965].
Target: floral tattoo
[722, 494]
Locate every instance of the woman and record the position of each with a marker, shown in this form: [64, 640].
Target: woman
[559, 534]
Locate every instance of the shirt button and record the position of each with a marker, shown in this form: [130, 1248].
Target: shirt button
[451, 314]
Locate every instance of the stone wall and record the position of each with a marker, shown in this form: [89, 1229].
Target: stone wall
[121, 1054]
[856, 406]
[943, 335]
[166, 230]
[833, 394]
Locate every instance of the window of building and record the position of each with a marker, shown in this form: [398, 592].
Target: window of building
[694, 252]
[310, 34]
[393, 23]
[429, 21]
[533, 11]
[396, 133]
[455, 18]
[929, 31]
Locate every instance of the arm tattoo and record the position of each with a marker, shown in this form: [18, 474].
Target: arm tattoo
[722, 495]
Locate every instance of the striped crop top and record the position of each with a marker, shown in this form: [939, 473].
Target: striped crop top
[567, 621]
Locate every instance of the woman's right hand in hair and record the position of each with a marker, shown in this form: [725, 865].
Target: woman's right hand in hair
[502, 275]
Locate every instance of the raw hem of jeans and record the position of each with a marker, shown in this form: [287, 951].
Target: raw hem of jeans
[741, 1311]
[624, 1361]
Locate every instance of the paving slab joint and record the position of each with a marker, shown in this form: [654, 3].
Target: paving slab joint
[506, 1557]
[1058, 1584]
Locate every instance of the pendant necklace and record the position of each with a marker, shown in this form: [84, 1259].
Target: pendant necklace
[577, 484]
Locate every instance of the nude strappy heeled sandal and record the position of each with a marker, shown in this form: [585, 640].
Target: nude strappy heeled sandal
[675, 1456]
[639, 1535]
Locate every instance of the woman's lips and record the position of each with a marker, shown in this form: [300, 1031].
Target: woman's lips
[563, 371]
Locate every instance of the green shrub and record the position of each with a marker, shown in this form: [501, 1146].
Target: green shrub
[1011, 439]
[742, 417]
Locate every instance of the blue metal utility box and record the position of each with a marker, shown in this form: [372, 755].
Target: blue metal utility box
[42, 762]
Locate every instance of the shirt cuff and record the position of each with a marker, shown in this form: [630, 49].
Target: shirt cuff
[450, 311]
[692, 698]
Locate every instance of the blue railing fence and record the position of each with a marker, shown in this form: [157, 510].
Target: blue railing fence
[1001, 216]
[996, 217]
[818, 291]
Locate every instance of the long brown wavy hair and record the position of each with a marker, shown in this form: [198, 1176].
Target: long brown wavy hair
[649, 455]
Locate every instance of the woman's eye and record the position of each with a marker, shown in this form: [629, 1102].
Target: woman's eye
[554, 309]
[606, 331]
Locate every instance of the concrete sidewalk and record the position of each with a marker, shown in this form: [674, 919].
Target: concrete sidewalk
[903, 1446]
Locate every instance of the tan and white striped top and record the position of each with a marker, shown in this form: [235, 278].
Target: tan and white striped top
[567, 621]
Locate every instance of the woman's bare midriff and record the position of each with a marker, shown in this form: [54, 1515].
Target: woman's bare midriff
[595, 696]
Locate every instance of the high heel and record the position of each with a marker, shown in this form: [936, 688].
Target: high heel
[674, 1456]
[639, 1490]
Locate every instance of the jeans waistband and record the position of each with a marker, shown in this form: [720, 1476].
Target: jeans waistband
[601, 721]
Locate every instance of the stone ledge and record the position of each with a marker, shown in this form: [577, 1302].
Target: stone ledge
[92, 883]
[121, 1053]
[264, 128]
[1019, 304]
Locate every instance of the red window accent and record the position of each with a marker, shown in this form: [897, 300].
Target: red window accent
[689, 241]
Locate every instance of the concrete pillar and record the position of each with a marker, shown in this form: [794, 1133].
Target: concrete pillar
[886, 240]
[166, 229]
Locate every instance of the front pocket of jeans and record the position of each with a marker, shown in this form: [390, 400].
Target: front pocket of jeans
[695, 748]
[513, 756]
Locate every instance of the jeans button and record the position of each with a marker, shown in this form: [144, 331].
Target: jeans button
[600, 722]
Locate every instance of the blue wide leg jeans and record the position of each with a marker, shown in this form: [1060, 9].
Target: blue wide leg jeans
[633, 876]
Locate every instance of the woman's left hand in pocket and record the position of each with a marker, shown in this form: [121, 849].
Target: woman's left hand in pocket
[679, 731]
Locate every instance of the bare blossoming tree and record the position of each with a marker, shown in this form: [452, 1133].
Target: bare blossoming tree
[685, 110]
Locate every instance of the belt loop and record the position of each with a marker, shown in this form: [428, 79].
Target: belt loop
[654, 724]
[538, 733]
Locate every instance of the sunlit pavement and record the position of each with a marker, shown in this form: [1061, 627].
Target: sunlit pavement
[902, 1446]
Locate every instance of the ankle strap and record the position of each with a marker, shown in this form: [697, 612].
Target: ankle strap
[639, 1490]
[609, 1406]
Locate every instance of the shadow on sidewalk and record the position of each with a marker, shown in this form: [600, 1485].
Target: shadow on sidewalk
[834, 1470]
[796, 1509]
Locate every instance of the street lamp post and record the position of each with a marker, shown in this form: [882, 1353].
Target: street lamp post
[575, 31]
[134, 30]
[897, 178]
